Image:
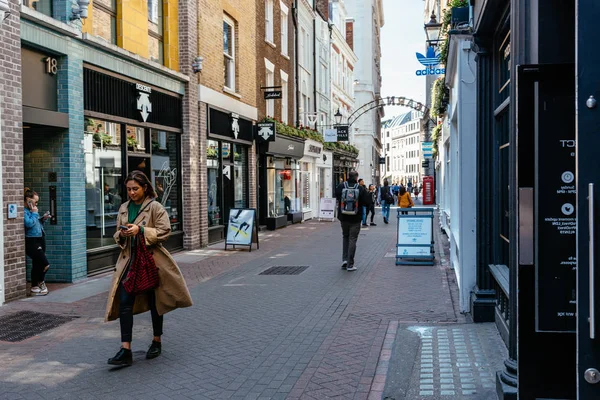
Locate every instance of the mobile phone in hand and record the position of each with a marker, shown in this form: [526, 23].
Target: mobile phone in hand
[123, 227]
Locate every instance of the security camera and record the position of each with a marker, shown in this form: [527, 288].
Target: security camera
[197, 64]
[82, 11]
[4, 10]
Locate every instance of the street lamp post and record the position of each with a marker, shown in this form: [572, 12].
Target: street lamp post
[338, 117]
[432, 31]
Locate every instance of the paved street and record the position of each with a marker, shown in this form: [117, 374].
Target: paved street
[383, 330]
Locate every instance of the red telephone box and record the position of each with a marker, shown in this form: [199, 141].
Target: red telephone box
[428, 190]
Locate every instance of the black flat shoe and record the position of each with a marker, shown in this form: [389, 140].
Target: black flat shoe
[154, 350]
[123, 357]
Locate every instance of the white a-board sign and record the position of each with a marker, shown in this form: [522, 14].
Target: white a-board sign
[415, 237]
[241, 228]
[327, 208]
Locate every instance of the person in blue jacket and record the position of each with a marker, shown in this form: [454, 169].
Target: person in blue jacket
[35, 243]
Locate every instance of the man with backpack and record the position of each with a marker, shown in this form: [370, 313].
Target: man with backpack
[351, 198]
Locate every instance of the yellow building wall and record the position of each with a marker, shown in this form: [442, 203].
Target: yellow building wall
[171, 34]
[210, 43]
[132, 28]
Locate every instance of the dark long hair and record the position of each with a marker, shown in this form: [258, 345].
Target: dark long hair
[144, 182]
[402, 190]
[385, 183]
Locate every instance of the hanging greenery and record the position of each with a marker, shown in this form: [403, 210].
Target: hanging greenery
[304, 132]
[445, 28]
[439, 96]
[435, 138]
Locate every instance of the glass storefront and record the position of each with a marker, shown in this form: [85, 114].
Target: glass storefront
[111, 151]
[227, 179]
[283, 187]
[305, 179]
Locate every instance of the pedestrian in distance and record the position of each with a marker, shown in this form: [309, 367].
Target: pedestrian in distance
[35, 243]
[361, 182]
[386, 198]
[351, 199]
[404, 199]
[144, 216]
[371, 206]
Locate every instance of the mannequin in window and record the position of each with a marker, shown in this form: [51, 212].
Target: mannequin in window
[287, 204]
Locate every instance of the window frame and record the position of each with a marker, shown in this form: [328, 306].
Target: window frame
[284, 96]
[161, 27]
[284, 36]
[269, 22]
[270, 82]
[230, 57]
[113, 17]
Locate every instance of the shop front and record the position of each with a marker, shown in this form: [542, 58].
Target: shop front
[310, 179]
[324, 171]
[280, 194]
[129, 125]
[227, 160]
[343, 163]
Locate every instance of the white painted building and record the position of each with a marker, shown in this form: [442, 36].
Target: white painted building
[402, 148]
[322, 70]
[366, 131]
[305, 60]
[343, 62]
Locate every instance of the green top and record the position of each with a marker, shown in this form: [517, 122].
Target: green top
[132, 211]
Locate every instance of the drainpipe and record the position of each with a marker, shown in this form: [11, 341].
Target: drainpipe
[295, 21]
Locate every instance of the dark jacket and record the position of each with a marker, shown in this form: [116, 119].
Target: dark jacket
[363, 200]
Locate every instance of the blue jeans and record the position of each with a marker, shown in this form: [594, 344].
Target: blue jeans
[364, 219]
[385, 209]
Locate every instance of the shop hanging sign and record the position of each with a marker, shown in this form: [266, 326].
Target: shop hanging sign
[430, 60]
[330, 135]
[265, 131]
[427, 149]
[242, 229]
[342, 133]
[273, 94]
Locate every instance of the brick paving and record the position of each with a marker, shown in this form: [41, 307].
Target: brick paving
[324, 333]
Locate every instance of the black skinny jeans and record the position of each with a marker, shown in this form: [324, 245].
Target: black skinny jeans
[370, 209]
[126, 314]
[35, 247]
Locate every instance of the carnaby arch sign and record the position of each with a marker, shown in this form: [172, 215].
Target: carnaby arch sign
[390, 101]
[431, 61]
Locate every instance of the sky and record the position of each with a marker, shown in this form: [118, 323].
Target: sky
[402, 36]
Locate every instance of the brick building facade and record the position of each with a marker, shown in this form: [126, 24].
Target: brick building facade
[227, 98]
[276, 58]
[13, 270]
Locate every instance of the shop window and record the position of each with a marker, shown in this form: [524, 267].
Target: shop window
[155, 31]
[229, 53]
[103, 174]
[43, 6]
[136, 138]
[104, 21]
[305, 185]
[240, 165]
[282, 187]
[214, 188]
[165, 174]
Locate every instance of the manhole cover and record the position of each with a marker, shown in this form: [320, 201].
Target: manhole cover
[290, 270]
[22, 325]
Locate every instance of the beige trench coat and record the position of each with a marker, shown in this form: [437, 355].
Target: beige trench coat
[172, 291]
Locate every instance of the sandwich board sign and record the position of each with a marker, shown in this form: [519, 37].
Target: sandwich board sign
[415, 237]
[242, 229]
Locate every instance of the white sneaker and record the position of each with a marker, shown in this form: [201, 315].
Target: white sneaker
[40, 290]
[351, 268]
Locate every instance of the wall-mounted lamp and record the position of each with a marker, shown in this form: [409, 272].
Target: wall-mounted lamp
[432, 30]
[197, 64]
[82, 11]
[4, 10]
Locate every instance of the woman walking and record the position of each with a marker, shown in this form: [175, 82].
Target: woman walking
[35, 243]
[404, 199]
[147, 217]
